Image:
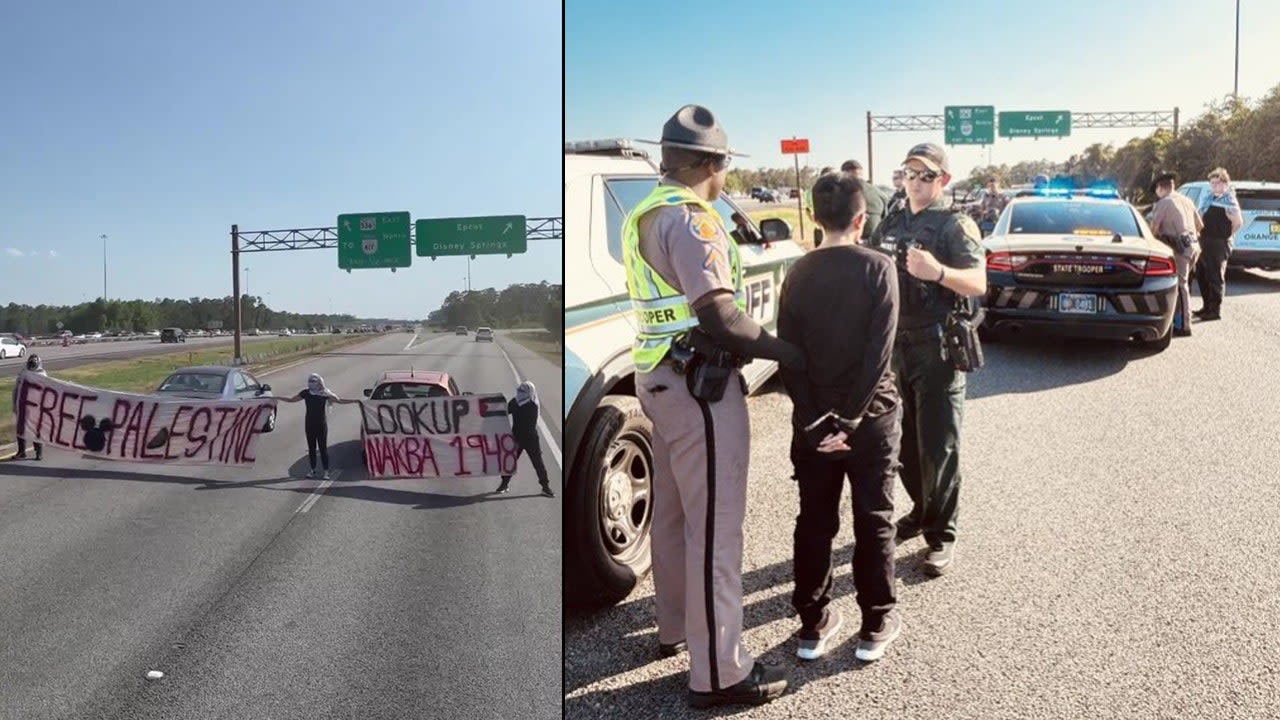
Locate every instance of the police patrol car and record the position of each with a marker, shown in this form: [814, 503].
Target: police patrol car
[608, 497]
[1258, 242]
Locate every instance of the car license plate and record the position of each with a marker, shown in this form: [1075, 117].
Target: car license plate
[1077, 303]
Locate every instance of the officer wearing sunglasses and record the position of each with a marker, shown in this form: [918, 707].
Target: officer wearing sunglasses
[940, 258]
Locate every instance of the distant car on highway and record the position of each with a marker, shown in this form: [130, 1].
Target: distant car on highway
[484, 334]
[173, 335]
[1079, 263]
[11, 347]
[402, 384]
[1258, 242]
[460, 330]
[216, 382]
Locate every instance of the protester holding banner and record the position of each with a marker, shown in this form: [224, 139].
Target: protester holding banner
[317, 397]
[34, 365]
[523, 410]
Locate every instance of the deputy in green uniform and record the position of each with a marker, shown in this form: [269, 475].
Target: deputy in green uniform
[684, 277]
[943, 259]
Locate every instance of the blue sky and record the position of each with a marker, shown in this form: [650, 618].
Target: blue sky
[773, 70]
[160, 124]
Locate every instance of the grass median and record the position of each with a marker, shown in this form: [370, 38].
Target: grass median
[542, 343]
[142, 375]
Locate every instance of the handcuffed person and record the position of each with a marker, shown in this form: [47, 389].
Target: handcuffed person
[839, 303]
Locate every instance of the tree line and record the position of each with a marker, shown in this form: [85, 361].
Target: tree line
[1235, 133]
[518, 306]
[143, 315]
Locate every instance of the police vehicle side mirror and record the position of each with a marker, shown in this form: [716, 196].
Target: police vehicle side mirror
[368, 392]
[775, 229]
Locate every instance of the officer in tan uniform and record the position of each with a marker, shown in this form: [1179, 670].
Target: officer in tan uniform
[684, 277]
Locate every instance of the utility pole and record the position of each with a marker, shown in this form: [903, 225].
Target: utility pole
[104, 268]
[1235, 87]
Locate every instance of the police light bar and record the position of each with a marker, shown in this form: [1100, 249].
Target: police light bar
[621, 147]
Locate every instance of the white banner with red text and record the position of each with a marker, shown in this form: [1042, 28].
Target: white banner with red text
[456, 436]
[138, 428]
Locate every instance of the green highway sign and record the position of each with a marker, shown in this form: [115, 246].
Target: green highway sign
[969, 124]
[373, 240]
[1041, 123]
[497, 235]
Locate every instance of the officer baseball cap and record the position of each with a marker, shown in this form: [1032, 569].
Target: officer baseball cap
[696, 128]
[931, 155]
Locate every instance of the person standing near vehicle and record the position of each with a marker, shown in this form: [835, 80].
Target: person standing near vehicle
[523, 409]
[317, 397]
[839, 304]
[1222, 219]
[684, 278]
[1176, 223]
[36, 367]
[943, 260]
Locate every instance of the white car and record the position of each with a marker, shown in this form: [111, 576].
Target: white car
[484, 334]
[10, 347]
[608, 498]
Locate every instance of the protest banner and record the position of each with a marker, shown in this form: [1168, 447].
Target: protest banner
[138, 428]
[440, 437]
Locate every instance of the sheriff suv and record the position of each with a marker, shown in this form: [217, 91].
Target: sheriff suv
[1258, 242]
[608, 495]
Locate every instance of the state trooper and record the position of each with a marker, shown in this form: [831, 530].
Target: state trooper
[684, 277]
[940, 258]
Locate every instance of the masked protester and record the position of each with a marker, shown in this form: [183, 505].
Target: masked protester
[36, 367]
[317, 397]
[523, 409]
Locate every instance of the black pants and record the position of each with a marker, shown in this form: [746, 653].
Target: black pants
[318, 438]
[932, 392]
[1211, 271]
[534, 450]
[22, 447]
[870, 469]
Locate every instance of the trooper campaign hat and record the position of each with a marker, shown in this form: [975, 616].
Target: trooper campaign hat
[696, 128]
[1168, 177]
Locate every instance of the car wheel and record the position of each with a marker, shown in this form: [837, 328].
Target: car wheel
[609, 499]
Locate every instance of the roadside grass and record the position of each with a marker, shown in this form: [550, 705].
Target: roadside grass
[542, 343]
[792, 216]
[142, 375]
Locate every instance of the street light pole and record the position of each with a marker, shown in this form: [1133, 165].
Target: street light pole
[1235, 87]
[104, 267]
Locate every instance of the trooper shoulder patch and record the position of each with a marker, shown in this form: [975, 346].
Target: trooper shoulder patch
[703, 227]
[969, 227]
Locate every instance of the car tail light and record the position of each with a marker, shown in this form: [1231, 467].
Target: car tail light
[1006, 262]
[1159, 267]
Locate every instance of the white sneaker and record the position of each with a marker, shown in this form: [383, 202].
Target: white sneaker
[326, 474]
[871, 646]
[312, 473]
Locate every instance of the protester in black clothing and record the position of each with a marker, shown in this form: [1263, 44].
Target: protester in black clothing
[317, 397]
[1220, 212]
[34, 365]
[523, 409]
[839, 304]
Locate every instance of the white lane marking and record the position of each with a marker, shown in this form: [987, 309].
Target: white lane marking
[315, 495]
[411, 342]
[542, 425]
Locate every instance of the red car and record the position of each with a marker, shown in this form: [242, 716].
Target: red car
[401, 384]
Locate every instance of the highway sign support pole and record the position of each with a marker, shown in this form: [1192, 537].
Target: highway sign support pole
[235, 284]
[800, 193]
[871, 173]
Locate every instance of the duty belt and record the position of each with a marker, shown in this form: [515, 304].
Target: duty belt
[919, 335]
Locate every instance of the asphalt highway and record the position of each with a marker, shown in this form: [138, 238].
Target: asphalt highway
[1118, 518]
[56, 357]
[259, 594]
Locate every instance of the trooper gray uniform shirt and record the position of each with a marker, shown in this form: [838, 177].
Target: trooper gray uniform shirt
[700, 468]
